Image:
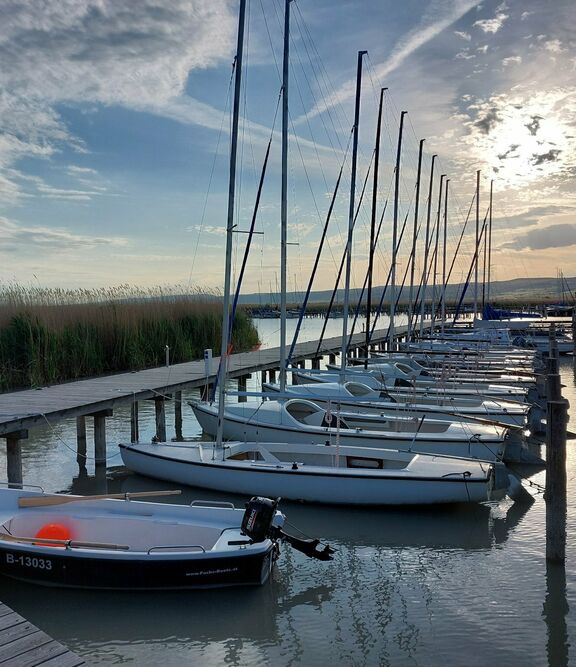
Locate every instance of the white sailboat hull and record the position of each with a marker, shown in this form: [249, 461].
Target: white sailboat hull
[238, 428]
[430, 480]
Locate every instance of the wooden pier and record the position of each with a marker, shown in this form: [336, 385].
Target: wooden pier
[24, 645]
[97, 397]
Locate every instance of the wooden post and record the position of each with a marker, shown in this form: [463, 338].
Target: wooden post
[555, 494]
[263, 377]
[555, 610]
[302, 364]
[100, 437]
[134, 425]
[178, 415]
[14, 458]
[160, 410]
[332, 358]
[316, 363]
[272, 375]
[81, 441]
[242, 387]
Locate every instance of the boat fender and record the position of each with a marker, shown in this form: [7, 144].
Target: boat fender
[54, 531]
[258, 518]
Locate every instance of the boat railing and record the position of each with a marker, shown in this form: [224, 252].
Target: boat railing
[177, 547]
[68, 544]
[213, 503]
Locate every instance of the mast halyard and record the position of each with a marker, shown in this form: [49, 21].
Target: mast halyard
[351, 211]
[477, 240]
[223, 368]
[284, 196]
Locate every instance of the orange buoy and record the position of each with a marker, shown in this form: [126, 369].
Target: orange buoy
[54, 531]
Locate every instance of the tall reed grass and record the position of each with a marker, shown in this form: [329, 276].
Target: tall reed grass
[54, 335]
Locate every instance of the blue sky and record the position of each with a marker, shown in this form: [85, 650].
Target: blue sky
[115, 117]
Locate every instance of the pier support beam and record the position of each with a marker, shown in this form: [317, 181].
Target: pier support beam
[100, 436]
[332, 358]
[81, 441]
[160, 410]
[134, 425]
[14, 458]
[555, 495]
[316, 363]
[178, 415]
[242, 387]
[272, 375]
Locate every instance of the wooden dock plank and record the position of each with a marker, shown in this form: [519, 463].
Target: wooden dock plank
[22, 644]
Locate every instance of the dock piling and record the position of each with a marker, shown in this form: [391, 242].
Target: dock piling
[178, 415]
[81, 441]
[134, 425]
[160, 410]
[100, 436]
[14, 458]
[555, 495]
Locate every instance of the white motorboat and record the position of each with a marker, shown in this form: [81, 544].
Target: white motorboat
[113, 542]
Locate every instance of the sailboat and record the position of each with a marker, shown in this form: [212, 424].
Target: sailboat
[309, 472]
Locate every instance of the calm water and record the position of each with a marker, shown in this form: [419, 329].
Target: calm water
[413, 587]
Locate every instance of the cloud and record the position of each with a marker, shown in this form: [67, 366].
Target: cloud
[463, 35]
[554, 236]
[531, 216]
[493, 25]
[110, 52]
[488, 121]
[439, 17]
[33, 240]
[550, 156]
[512, 60]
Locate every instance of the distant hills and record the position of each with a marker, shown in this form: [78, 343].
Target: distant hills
[520, 291]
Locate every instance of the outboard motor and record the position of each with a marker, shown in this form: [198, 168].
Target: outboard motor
[258, 525]
[258, 518]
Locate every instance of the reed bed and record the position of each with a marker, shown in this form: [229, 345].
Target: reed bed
[49, 336]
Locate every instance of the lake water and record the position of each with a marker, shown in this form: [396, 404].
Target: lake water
[434, 587]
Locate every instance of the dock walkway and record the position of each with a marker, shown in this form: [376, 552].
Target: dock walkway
[23, 410]
[22, 644]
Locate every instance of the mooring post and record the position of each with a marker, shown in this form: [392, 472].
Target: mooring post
[134, 425]
[14, 458]
[81, 441]
[100, 436]
[160, 410]
[555, 494]
[242, 387]
[178, 415]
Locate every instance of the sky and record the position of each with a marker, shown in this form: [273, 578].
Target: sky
[115, 119]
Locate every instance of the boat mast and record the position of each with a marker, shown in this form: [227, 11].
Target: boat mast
[414, 239]
[373, 224]
[434, 272]
[230, 225]
[477, 242]
[443, 312]
[351, 211]
[391, 333]
[284, 196]
[426, 248]
[489, 243]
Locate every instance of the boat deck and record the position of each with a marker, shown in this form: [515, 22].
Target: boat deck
[22, 644]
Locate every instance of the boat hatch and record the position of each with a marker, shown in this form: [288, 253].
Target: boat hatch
[373, 463]
[357, 389]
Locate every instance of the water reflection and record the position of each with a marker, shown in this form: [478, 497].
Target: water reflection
[554, 612]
